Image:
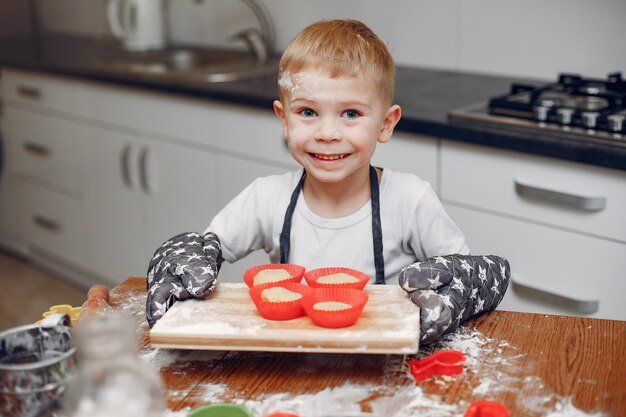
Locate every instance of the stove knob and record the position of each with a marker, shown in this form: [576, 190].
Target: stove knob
[565, 115]
[541, 113]
[616, 122]
[590, 118]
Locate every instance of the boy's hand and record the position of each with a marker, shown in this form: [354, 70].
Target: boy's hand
[452, 289]
[185, 266]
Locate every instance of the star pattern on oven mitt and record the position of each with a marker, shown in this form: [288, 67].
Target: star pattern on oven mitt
[452, 289]
[185, 266]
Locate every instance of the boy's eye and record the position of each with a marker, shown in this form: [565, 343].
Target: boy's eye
[351, 114]
[307, 113]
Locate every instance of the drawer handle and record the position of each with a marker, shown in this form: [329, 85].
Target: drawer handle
[148, 171]
[543, 194]
[571, 303]
[128, 167]
[47, 222]
[37, 148]
[29, 92]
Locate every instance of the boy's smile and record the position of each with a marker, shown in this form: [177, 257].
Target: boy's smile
[333, 123]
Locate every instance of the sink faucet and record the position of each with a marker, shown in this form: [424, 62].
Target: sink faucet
[261, 44]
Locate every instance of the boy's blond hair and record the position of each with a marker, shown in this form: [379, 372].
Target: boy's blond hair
[344, 48]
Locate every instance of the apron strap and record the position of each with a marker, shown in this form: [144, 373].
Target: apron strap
[377, 233]
[285, 234]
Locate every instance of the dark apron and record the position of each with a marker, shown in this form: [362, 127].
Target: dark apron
[377, 233]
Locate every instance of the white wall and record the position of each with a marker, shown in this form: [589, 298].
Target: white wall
[531, 38]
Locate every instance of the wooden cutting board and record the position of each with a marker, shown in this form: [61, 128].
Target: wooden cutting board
[228, 320]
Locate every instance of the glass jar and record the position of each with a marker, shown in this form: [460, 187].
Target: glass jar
[112, 380]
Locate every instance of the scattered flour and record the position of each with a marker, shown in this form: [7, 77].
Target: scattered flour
[494, 370]
[160, 357]
[564, 408]
[212, 392]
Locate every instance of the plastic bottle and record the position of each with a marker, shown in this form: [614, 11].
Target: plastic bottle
[112, 380]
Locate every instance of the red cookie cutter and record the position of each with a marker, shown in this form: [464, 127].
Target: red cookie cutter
[486, 409]
[444, 362]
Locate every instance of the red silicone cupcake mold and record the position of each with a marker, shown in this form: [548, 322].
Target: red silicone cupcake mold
[312, 276]
[279, 310]
[335, 319]
[296, 272]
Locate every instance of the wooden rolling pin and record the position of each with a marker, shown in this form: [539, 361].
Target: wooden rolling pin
[97, 302]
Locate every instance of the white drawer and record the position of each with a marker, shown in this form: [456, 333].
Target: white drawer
[569, 195]
[44, 91]
[44, 147]
[580, 269]
[52, 222]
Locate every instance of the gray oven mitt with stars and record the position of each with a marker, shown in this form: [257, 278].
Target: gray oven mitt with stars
[185, 266]
[452, 289]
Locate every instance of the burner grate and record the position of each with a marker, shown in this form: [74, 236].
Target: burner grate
[571, 102]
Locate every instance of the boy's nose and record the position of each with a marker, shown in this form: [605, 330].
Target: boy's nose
[328, 130]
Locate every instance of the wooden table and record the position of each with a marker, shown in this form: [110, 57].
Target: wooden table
[534, 364]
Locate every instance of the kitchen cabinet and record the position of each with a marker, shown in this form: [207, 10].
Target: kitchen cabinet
[45, 158]
[198, 161]
[123, 170]
[560, 224]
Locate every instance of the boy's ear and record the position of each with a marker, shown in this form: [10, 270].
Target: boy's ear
[392, 117]
[280, 113]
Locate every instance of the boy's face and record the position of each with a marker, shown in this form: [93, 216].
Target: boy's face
[332, 125]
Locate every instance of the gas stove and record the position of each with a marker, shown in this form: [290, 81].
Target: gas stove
[573, 107]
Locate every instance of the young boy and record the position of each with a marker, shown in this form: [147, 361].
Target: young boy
[336, 85]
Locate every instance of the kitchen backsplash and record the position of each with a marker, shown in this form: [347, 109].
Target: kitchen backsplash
[533, 38]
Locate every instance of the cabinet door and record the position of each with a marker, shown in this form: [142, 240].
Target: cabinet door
[180, 192]
[114, 204]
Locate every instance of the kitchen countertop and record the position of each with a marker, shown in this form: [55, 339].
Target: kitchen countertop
[534, 364]
[425, 95]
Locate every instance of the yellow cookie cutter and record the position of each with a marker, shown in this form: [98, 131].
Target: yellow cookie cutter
[72, 312]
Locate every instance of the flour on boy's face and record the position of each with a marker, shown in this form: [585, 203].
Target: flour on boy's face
[332, 124]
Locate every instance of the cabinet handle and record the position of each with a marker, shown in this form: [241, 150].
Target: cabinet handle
[127, 170]
[35, 148]
[552, 298]
[46, 222]
[535, 192]
[148, 171]
[29, 92]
